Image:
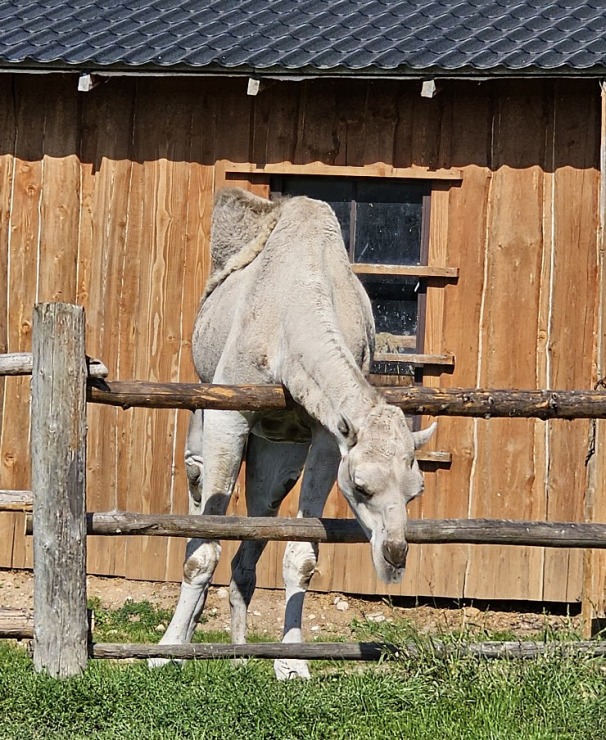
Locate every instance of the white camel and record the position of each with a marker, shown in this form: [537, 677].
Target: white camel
[283, 306]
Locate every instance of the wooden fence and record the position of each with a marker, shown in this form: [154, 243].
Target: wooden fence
[63, 380]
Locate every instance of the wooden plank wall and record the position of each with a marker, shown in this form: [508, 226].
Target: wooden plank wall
[105, 198]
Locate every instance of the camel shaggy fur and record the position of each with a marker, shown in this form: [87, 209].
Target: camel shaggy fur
[283, 306]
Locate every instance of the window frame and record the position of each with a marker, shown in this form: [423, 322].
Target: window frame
[256, 177]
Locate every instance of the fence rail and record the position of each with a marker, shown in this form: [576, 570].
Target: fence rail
[538, 404]
[369, 651]
[64, 379]
[421, 531]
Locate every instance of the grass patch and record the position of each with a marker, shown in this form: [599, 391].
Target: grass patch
[428, 697]
[143, 622]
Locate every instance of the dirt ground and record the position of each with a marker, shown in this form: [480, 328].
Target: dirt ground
[325, 614]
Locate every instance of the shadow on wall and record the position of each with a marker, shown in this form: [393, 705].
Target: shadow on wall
[500, 123]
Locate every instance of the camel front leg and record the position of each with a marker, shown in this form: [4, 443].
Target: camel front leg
[272, 469]
[218, 439]
[300, 558]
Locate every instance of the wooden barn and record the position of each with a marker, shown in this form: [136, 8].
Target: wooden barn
[462, 147]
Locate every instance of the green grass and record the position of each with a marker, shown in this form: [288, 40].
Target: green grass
[425, 698]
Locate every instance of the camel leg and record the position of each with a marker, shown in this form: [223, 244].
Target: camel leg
[218, 438]
[300, 558]
[272, 469]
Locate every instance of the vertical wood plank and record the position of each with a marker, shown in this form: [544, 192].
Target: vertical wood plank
[454, 319]
[7, 167]
[594, 561]
[60, 195]
[23, 262]
[59, 487]
[574, 306]
[161, 109]
[106, 166]
[504, 482]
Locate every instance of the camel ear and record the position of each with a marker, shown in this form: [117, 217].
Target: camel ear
[347, 429]
[424, 435]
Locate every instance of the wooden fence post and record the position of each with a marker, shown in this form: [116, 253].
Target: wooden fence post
[58, 446]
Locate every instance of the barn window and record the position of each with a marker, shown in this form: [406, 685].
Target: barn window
[385, 229]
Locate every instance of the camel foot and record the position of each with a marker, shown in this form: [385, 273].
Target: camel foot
[153, 663]
[287, 669]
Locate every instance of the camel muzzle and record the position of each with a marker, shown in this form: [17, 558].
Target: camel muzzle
[395, 553]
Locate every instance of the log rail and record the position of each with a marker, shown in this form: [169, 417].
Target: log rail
[420, 531]
[469, 402]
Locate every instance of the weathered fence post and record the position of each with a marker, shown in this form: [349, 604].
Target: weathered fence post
[59, 489]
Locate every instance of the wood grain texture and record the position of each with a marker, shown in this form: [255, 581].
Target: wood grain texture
[510, 532]
[447, 491]
[106, 170]
[21, 286]
[514, 241]
[368, 651]
[59, 489]
[16, 624]
[575, 292]
[16, 500]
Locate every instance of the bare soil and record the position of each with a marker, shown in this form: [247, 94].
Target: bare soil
[326, 614]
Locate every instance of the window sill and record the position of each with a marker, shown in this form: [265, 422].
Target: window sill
[405, 270]
[319, 168]
[415, 359]
[438, 457]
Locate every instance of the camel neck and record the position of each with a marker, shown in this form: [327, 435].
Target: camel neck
[321, 373]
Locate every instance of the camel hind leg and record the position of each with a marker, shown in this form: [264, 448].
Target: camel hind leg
[300, 558]
[272, 469]
[218, 439]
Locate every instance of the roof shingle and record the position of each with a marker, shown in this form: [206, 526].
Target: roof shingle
[315, 36]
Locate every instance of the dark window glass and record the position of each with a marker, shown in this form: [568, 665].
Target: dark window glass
[388, 223]
[394, 303]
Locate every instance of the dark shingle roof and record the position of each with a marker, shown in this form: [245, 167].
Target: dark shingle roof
[312, 36]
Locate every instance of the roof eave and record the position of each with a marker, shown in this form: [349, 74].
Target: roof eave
[299, 74]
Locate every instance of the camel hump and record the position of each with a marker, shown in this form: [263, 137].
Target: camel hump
[239, 217]
[241, 224]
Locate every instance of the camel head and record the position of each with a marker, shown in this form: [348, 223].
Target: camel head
[379, 475]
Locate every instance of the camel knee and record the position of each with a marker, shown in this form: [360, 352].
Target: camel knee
[200, 565]
[194, 469]
[300, 560]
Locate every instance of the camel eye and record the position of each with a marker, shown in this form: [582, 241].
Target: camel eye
[361, 493]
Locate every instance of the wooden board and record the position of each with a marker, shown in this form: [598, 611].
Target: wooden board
[23, 248]
[573, 307]
[106, 166]
[7, 168]
[505, 481]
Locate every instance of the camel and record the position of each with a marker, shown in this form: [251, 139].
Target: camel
[283, 306]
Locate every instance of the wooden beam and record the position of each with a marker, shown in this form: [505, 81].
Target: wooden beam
[370, 170]
[422, 271]
[21, 363]
[16, 500]
[367, 651]
[16, 624]
[414, 358]
[467, 402]
[440, 457]
[420, 531]
[58, 449]
[142, 394]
